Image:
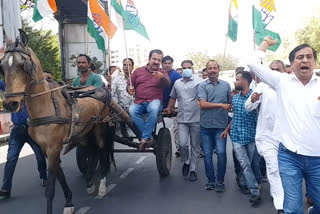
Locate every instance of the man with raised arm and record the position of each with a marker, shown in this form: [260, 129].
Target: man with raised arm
[297, 124]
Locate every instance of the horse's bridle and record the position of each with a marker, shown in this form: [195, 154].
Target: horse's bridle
[28, 67]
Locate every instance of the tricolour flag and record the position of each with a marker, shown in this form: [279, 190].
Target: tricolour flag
[233, 20]
[43, 8]
[99, 25]
[263, 13]
[128, 17]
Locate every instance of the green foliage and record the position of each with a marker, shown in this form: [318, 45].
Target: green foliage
[200, 60]
[310, 34]
[46, 46]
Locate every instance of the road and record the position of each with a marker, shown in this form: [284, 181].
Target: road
[134, 187]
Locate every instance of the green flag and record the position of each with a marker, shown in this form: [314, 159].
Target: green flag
[233, 22]
[263, 15]
[128, 19]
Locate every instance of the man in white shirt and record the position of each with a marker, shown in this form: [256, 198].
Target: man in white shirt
[264, 98]
[297, 125]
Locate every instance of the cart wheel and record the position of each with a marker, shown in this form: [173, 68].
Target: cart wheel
[164, 152]
[82, 158]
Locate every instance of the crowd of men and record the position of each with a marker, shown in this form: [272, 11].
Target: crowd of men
[272, 117]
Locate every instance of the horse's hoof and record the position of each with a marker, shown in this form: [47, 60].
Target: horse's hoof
[102, 188]
[91, 189]
[68, 210]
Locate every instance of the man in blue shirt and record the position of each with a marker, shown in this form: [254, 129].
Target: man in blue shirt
[167, 64]
[18, 136]
[243, 131]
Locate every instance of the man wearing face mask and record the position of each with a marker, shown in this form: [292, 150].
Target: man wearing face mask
[185, 91]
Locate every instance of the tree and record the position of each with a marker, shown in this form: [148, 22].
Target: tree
[46, 46]
[310, 34]
[200, 60]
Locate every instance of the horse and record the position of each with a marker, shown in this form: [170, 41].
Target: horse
[54, 121]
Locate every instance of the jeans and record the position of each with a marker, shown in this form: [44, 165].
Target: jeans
[209, 137]
[246, 155]
[18, 136]
[293, 168]
[152, 109]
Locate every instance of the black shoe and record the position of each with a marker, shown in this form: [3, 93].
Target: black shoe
[254, 200]
[4, 194]
[185, 169]
[209, 186]
[43, 182]
[244, 190]
[193, 176]
[219, 187]
[178, 154]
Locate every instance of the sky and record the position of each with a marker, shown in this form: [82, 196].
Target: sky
[179, 27]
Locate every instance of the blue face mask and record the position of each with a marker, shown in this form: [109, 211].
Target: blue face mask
[187, 73]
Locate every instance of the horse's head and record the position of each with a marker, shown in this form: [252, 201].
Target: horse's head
[18, 70]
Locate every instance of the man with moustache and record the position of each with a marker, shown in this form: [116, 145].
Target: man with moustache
[297, 124]
[214, 98]
[148, 83]
[86, 77]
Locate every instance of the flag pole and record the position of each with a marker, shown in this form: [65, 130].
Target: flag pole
[225, 44]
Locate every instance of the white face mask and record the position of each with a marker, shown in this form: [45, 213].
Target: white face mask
[187, 73]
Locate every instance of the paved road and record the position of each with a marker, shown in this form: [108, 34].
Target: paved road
[135, 187]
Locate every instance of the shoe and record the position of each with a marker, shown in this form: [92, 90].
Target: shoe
[193, 176]
[244, 190]
[219, 187]
[4, 194]
[43, 182]
[185, 169]
[280, 212]
[209, 186]
[310, 209]
[178, 154]
[254, 200]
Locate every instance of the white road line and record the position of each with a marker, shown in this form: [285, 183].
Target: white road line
[126, 173]
[108, 189]
[139, 161]
[83, 210]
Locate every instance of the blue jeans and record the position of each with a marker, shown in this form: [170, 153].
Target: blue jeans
[246, 155]
[293, 168]
[210, 138]
[18, 136]
[152, 110]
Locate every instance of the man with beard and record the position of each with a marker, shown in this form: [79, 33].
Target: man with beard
[297, 125]
[86, 76]
[147, 83]
[214, 98]
[243, 131]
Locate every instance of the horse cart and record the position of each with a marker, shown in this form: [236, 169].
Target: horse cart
[162, 146]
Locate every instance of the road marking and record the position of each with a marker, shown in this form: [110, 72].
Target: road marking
[26, 150]
[139, 161]
[83, 210]
[108, 189]
[126, 173]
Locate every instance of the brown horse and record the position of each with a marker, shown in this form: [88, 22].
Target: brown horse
[52, 120]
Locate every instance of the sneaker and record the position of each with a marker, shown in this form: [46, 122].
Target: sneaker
[4, 194]
[244, 190]
[209, 186]
[254, 200]
[193, 176]
[310, 209]
[219, 187]
[43, 182]
[178, 154]
[185, 169]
